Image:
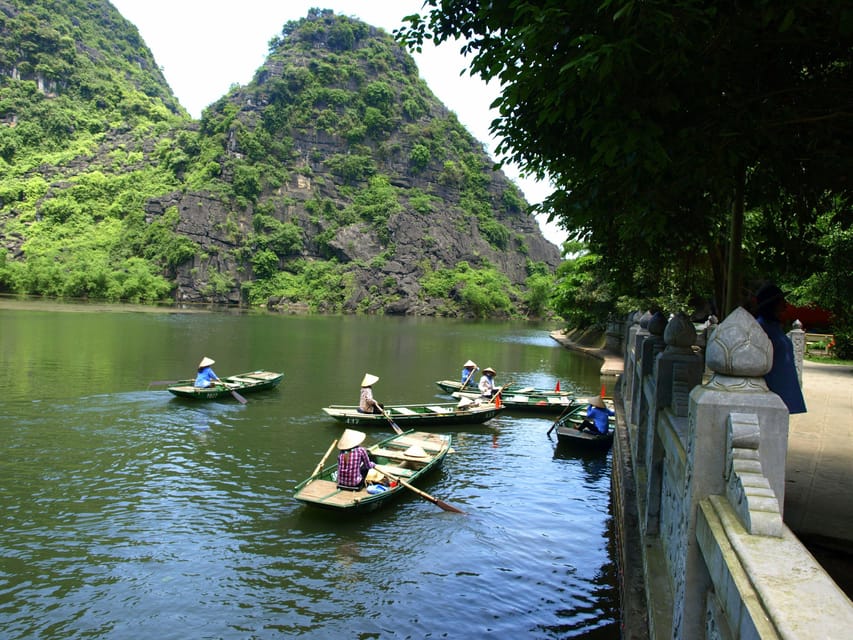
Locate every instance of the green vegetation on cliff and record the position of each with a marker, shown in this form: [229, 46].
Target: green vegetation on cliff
[335, 180]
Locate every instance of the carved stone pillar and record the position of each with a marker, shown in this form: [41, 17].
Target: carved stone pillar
[636, 349]
[738, 354]
[798, 338]
[676, 371]
[628, 374]
[649, 350]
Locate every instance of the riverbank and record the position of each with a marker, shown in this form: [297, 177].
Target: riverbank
[591, 343]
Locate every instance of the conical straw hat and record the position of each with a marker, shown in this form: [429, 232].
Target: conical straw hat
[351, 438]
[369, 380]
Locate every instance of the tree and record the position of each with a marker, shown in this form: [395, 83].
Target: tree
[660, 123]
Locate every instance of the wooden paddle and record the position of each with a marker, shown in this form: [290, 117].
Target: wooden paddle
[424, 494]
[468, 379]
[236, 395]
[571, 408]
[394, 425]
[319, 467]
[160, 383]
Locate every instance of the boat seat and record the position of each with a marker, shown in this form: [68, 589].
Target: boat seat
[395, 471]
[518, 398]
[428, 445]
[437, 409]
[243, 380]
[559, 400]
[397, 454]
[404, 411]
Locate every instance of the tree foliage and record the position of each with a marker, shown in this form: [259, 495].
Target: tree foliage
[656, 120]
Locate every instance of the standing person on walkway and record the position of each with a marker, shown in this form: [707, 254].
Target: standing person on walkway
[598, 417]
[353, 460]
[468, 370]
[782, 378]
[366, 403]
[205, 376]
[487, 383]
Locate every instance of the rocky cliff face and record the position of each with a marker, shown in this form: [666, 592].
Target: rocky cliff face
[334, 181]
[343, 115]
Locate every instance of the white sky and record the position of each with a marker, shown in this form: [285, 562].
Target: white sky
[205, 46]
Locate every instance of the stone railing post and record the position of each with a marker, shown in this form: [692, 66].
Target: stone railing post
[738, 354]
[798, 338]
[644, 386]
[676, 371]
[628, 375]
[636, 349]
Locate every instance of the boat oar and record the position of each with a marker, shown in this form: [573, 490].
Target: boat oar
[394, 425]
[236, 395]
[424, 494]
[569, 409]
[468, 379]
[160, 383]
[319, 467]
[500, 390]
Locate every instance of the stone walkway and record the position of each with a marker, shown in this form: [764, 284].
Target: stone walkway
[819, 469]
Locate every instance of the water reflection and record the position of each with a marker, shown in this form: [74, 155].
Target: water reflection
[130, 513]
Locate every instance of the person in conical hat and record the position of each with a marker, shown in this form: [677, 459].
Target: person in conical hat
[468, 370]
[598, 416]
[487, 383]
[205, 376]
[366, 403]
[353, 460]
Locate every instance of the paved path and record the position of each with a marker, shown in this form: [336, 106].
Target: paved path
[819, 469]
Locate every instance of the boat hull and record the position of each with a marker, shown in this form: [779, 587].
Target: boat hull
[571, 437]
[530, 403]
[249, 382]
[415, 416]
[452, 386]
[321, 491]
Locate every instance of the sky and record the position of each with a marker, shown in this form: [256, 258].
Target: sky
[205, 47]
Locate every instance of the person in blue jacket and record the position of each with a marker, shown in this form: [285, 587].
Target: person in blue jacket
[598, 417]
[206, 377]
[468, 369]
[782, 379]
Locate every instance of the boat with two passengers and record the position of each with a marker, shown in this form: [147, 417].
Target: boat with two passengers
[402, 459]
[452, 386]
[248, 382]
[529, 402]
[417, 415]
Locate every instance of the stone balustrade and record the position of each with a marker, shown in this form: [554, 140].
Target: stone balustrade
[700, 464]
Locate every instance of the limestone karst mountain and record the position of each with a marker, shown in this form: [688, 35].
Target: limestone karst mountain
[335, 180]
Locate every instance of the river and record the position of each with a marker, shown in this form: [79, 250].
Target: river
[128, 513]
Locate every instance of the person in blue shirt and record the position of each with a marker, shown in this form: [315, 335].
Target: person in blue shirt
[206, 377]
[598, 417]
[782, 379]
[468, 370]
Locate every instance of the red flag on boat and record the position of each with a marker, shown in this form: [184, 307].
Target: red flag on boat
[498, 401]
[557, 388]
[602, 391]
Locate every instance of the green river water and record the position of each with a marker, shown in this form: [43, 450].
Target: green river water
[128, 513]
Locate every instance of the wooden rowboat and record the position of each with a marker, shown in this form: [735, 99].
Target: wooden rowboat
[529, 402]
[242, 383]
[568, 435]
[452, 386]
[416, 415]
[391, 457]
